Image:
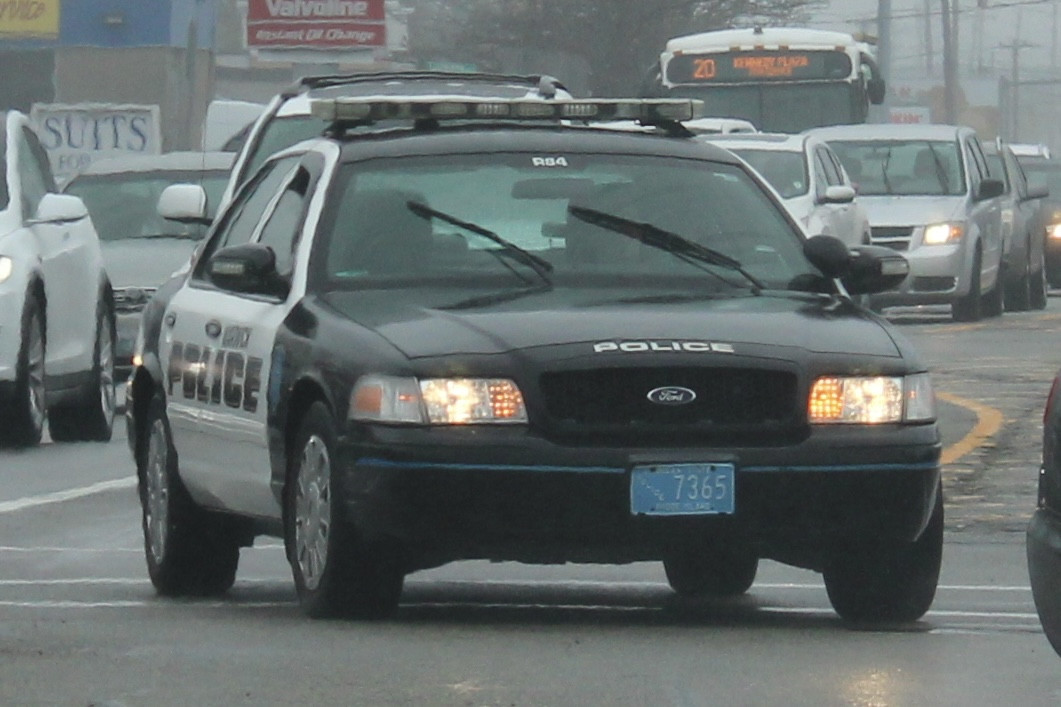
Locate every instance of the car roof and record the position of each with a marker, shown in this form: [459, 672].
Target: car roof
[780, 142]
[891, 131]
[176, 161]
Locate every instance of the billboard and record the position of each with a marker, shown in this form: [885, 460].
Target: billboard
[316, 24]
[29, 19]
[76, 135]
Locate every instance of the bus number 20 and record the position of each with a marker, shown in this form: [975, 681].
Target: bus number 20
[705, 68]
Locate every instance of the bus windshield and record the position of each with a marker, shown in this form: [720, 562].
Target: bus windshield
[782, 108]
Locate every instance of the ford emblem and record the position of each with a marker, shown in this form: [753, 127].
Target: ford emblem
[672, 395]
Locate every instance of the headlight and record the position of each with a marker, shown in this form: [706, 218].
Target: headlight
[872, 399]
[943, 233]
[1053, 230]
[138, 346]
[7, 266]
[436, 401]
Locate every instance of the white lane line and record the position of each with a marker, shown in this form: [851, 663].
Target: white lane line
[67, 495]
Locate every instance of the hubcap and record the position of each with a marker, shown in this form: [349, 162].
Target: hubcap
[106, 369]
[156, 521]
[313, 511]
[35, 372]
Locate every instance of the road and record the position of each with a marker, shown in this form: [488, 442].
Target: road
[80, 624]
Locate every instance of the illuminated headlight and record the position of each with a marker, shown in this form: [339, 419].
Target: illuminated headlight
[872, 399]
[1053, 230]
[943, 233]
[437, 401]
[138, 347]
[7, 266]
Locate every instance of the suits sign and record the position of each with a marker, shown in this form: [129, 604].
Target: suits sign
[315, 24]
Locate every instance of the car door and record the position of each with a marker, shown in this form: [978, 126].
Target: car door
[70, 317]
[217, 345]
[985, 213]
[839, 218]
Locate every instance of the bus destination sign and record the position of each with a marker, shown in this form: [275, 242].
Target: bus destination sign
[762, 65]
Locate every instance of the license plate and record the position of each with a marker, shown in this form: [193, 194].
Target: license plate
[682, 489]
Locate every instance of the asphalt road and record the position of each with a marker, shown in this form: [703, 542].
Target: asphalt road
[80, 624]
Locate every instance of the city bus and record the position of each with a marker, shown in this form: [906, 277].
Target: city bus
[782, 79]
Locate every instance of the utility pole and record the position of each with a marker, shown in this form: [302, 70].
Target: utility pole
[1014, 85]
[930, 67]
[884, 38]
[950, 103]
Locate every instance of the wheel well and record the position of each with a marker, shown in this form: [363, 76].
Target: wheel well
[144, 388]
[305, 393]
[36, 290]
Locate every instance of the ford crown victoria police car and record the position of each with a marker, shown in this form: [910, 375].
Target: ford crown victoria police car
[473, 328]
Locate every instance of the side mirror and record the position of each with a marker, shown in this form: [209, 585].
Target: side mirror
[59, 209]
[249, 268]
[1037, 191]
[185, 203]
[838, 194]
[989, 189]
[875, 269]
[875, 91]
[829, 254]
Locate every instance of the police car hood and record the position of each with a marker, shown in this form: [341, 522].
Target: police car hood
[912, 210]
[785, 321]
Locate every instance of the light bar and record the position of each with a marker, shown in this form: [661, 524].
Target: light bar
[370, 109]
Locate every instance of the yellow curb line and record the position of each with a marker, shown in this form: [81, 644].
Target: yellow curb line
[988, 422]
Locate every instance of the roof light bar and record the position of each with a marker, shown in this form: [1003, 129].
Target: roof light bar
[653, 110]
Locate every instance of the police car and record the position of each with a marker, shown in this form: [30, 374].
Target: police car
[467, 328]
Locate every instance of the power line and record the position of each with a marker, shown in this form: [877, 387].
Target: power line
[917, 15]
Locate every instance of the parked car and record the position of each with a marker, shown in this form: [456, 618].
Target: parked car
[623, 348]
[929, 194]
[809, 179]
[56, 308]
[1043, 538]
[1047, 174]
[141, 249]
[1023, 231]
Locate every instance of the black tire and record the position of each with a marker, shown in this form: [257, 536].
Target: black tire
[995, 300]
[968, 308]
[22, 417]
[1018, 293]
[336, 573]
[711, 572]
[93, 418]
[189, 551]
[888, 581]
[1039, 289]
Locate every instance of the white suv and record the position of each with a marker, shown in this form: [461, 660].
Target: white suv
[56, 306]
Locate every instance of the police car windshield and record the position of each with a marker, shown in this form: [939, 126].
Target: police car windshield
[373, 238]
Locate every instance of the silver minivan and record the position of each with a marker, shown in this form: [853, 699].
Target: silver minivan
[929, 193]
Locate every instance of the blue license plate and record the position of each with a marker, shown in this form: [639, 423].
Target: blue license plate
[682, 489]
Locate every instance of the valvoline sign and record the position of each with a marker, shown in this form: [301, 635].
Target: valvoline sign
[316, 24]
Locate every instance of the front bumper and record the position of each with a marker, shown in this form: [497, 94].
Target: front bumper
[1043, 545]
[11, 305]
[448, 495]
[938, 275]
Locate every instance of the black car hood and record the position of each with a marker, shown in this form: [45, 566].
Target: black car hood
[812, 323]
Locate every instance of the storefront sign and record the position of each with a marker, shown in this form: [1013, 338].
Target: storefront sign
[315, 24]
[29, 19]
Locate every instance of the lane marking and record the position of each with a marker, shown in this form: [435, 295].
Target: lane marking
[67, 495]
[988, 423]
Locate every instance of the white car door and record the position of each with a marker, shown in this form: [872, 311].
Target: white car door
[217, 349]
[840, 218]
[70, 290]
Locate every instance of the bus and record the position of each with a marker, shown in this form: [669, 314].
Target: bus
[782, 79]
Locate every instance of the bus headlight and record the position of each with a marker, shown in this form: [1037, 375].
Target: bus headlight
[437, 401]
[871, 399]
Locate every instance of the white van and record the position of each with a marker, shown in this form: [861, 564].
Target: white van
[929, 193]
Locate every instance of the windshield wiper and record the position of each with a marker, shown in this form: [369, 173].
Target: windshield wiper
[654, 236]
[540, 266]
[177, 236]
[499, 297]
[941, 171]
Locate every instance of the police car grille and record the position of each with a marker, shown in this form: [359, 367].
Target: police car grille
[728, 400]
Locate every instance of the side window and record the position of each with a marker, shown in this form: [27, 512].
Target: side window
[835, 161]
[35, 175]
[281, 229]
[820, 179]
[832, 174]
[978, 169]
[1020, 180]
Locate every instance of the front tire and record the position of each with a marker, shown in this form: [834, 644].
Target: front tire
[968, 308]
[885, 580]
[1019, 293]
[336, 572]
[92, 420]
[1040, 286]
[708, 571]
[189, 551]
[22, 418]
